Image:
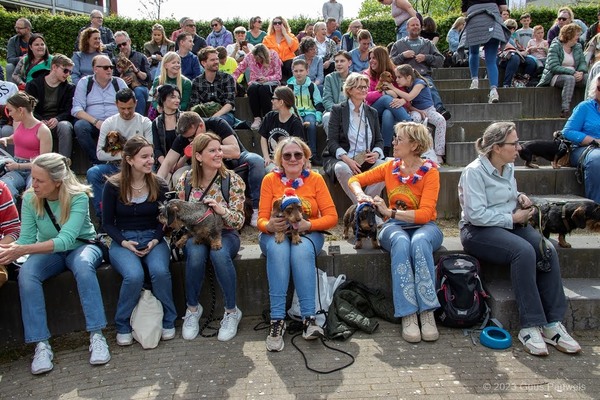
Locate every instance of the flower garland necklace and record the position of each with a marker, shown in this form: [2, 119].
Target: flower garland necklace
[287, 182]
[417, 176]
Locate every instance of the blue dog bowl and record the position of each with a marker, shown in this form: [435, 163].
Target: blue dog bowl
[495, 338]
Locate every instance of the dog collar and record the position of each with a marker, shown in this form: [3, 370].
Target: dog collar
[206, 214]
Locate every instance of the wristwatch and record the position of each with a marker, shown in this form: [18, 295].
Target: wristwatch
[393, 216]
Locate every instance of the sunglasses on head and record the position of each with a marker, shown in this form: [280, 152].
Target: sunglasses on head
[119, 45]
[277, 23]
[105, 67]
[288, 156]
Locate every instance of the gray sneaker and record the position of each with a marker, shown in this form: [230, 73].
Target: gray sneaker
[275, 338]
[191, 323]
[229, 325]
[311, 330]
[42, 359]
[99, 350]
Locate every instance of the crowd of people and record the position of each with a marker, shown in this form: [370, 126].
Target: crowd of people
[372, 102]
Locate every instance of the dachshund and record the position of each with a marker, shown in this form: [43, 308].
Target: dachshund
[201, 222]
[385, 77]
[361, 217]
[114, 143]
[557, 151]
[290, 208]
[125, 68]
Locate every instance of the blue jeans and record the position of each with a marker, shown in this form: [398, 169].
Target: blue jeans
[222, 261]
[87, 136]
[82, 262]
[491, 53]
[141, 97]
[311, 132]
[389, 117]
[17, 180]
[512, 66]
[96, 176]
[229, 118]
[591, 171]
[256, 173]
[540, 296]
[300, 259]
[413, 268]
[401, 30]
[130, 267]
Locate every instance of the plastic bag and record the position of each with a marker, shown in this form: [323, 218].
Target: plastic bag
[323, 297]
[146, 320]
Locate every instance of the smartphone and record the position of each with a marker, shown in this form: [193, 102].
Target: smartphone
[141, 247]
[171, 195]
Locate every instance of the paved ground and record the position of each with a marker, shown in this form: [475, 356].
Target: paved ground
[386, 367]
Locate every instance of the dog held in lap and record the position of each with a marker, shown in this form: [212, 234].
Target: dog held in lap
[114, 143]
[289, 207]
[201, 222]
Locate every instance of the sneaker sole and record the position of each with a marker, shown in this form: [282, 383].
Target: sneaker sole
[42, 371]
[530, 351]
[314, 336]
[100, 362]
[275, 350]
[561, 348]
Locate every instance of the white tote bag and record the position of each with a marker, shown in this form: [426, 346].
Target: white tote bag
[146, 320]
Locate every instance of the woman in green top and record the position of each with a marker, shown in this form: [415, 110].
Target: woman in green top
[255, 34]
[170, 72]
[52, 251]
[37, 61]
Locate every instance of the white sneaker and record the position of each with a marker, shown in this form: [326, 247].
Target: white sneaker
[558, 337]
[124, 339]
[168, 334]
[191, 324]
[229, 325]
[256, 124]
[493, 96]
[99, 349]
[254, 219]
[474, 84]
[532, 340]
[42, 359]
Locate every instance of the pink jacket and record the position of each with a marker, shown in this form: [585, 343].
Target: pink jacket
[271, 72]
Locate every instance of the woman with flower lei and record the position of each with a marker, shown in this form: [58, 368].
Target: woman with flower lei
[410, 233]
[293, 183]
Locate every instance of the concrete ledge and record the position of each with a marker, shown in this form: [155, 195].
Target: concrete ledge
[529, 129]
[484, 111]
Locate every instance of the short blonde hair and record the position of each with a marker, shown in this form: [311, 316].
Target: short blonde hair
[416, 133]
[277, 156]
[353, 80]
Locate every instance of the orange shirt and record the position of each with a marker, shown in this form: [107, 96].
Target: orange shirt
[283, 49]
[420, 196]
[314, 196]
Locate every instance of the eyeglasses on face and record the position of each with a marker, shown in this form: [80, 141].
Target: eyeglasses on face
[561, 18]
[275, 98]
[259, 21]
[105, 67]
[277, 22]
[190, 25]
[288, 156]
[214, 25]
[515, 144]
[123, 44]
[67, 71]
[361, 87]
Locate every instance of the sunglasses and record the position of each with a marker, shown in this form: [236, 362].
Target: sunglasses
[119, 45]
[67, 71]
[214, 25]
[277, 23]
[105, 67]
[190, 25]
[562, 19]
[259, 21]
[288, 156]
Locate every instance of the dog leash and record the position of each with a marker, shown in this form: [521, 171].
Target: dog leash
[545, 252]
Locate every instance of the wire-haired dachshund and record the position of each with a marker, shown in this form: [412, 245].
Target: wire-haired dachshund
[201, 222]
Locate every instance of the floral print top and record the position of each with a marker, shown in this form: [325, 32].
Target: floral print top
[234, 217]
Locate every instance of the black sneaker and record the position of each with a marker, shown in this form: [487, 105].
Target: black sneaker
[311, 330]
[445, 113]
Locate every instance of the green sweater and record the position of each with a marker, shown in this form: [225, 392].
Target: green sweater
[556, 55]
[37, 229]
[186, 87]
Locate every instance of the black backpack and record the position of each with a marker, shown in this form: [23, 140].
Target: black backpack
[460, 292]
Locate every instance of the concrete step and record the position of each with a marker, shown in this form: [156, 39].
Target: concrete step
[528, 129]
[461, 84]
[456, 73]
[542, 181]
[484, 111]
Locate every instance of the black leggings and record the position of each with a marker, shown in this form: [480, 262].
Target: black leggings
[260, 98]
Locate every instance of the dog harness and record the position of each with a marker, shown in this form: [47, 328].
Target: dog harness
[206, 214]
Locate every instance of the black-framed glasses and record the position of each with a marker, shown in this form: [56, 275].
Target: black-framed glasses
[562, 19]
[288, 156]
[517, 143]
[277, 98]
[119, 45]
[67, 71]
[105, 67]
[214, 25]
[190, 25]
[259, 21]
[277, 22]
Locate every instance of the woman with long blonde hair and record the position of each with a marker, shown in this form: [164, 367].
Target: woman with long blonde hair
[281, 39]
[170, 72]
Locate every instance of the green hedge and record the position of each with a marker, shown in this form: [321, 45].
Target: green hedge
[61, 30]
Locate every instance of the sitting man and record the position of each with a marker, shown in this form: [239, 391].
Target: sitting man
[189, 125]
[127, 123]
[17, 46]
[55, 100]
[190, 66]
[214, 86]
[135, 73]
[189, 26]
[106, 35]
[422, 55]
[94, 101]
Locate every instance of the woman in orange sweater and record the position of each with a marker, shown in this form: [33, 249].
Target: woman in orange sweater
[410, 233]
[281, 39]
[293, 183]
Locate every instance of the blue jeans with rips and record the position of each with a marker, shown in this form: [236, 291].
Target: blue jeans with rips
[82, 262]
[413, 268]
[299, 259]
[540, 295]
[222, 260]
[131, 268]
